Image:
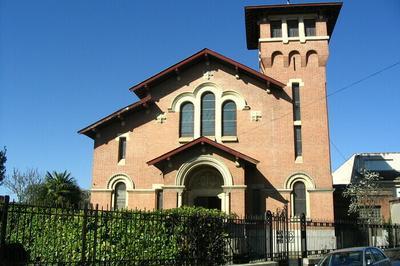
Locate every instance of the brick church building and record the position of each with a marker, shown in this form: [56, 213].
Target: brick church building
[212, 132]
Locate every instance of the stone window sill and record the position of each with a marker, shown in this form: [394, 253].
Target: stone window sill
[299, 159]
[229, 138]
[185, 139]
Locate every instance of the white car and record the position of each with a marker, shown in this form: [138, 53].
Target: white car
[362, 256]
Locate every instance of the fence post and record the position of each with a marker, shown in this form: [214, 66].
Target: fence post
[84, 231]
[303, 227]
[96, 215]
[4, 214]
[271, 236]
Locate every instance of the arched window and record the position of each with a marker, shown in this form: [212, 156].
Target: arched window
[186, 126]
[208, 114]
[229, 118]
[120, 196]
[299, 198]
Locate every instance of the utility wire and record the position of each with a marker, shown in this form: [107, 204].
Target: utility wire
[338, 151]
[330, 94]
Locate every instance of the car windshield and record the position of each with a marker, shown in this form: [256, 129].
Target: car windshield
[353, 258]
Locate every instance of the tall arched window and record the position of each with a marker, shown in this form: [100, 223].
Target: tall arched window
[299, 198]
[208, 114]
[120, 196]
[186, 126]
[229, 118]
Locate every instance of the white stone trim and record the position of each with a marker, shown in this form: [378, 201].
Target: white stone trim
[309, 185]
[286, 40]
[285, 37]
[121, 135]
[120, 177]
[230, 188]
[229, 138]
[117, 139]
[290, 180]
[209, 160]
[195, 98]
[185, 139]
[235, 97]
[173, 187]
[186, 168]
[157, 186]
[299, 159]
[295, 80]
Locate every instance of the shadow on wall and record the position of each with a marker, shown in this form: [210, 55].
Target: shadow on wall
[256, 197]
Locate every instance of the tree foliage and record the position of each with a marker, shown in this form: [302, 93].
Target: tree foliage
[19, 183]
[363, 193]
[3, 159]
[58, 188]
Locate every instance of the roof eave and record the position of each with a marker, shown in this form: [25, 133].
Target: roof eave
[201, 140]
[90, 130]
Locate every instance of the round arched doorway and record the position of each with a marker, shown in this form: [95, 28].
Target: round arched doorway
[203, 188]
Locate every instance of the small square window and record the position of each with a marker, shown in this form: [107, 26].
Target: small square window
[293, 28]
[309, 27]
[276, 29]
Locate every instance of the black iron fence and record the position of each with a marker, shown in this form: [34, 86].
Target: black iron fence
[47, 235]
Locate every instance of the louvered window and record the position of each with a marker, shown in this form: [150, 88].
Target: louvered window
[276, 29]
[309, 27]
[293, 28]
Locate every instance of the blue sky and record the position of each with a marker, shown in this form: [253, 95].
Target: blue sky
[66, 64]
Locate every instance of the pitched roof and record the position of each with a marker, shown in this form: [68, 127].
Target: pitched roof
[142, 88]
[205, 54]
[202, 141]
[254, 13]
[90, 130]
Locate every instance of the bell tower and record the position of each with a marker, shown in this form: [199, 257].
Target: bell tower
[291, 39]
[293, 48]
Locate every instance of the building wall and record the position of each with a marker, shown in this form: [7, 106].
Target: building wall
[395, 211]
[268, 140]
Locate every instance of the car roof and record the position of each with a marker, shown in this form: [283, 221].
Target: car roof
[350, 249]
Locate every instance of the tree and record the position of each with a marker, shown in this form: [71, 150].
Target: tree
[3, 159]
[363, 192]
[20, 182]
[58, 188]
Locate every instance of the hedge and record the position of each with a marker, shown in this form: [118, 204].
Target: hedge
[54, 235]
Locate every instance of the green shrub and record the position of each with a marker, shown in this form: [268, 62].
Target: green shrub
[53, 235]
